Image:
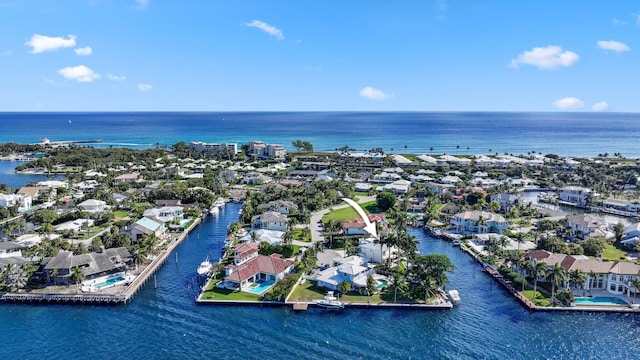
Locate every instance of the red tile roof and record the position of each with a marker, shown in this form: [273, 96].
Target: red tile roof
[272, 264]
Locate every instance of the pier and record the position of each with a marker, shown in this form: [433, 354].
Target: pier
[103, 299]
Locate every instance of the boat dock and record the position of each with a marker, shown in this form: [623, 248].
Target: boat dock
[103, 299]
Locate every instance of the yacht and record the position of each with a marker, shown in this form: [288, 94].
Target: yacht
[454, 297]
[330, 301]
[205, 267]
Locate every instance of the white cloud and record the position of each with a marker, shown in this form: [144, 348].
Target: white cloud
[84, 51]
[568, 103]
[116, 77]
[79, 73]
[142, 3]
[144, 87]
[619, 22]
[613, 46]
[600, 106]
[374, 94]
[313, 68]
[7, 53]
[271, 30]
[549, 57]
[41, 43]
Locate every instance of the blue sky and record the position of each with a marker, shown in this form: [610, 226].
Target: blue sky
[319, 55]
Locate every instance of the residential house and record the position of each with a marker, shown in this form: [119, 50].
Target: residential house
[33, 191]
[10, 253]
[255, 178]
[146, 227]
[587, 225]
[613, 276]
[574, 195]
[74, 225]
[479, 222]
[281, 206]
[373, 252]
[355, 270]
[8, 200]
[93, 206]
[357, 226]
[250, 267]
[506, 201]
[398, 187]
[631, 235]
[621, 205]
[127, 178]
[59, 269]
[270, 220]
[165, 214]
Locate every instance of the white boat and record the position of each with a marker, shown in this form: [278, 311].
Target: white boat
[330, 301]
[205, 267]
[214, 210]
[454, 296]
[456, 242]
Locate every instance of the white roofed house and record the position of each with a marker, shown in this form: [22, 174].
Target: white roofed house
[22, 201]
[146, 227]
[631, 235]
[166, 213]
[270, 220]
[576, 195]
[93, 206]
[354, 270]
[397, 187]
[479, 222]
[506, 201]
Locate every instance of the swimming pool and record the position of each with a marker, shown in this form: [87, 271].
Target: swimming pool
[600, 300]
[109, 282]
[382, 284]
[259, 288]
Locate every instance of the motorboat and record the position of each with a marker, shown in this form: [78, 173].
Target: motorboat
[205, 267]
[330, 301]
[454, 296]
[456, 242]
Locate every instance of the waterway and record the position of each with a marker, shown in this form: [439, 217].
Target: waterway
[165, 322]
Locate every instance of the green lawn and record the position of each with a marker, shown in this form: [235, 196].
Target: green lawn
[349, 213]
[611, 253]
[142, 204]
[214, 293]
[309, 292]
[121, 214]
[297, 234]
[541, 299]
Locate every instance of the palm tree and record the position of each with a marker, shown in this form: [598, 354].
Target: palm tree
[556, 275]
[77, 275]
[539, 270]
[287, 236]
[254, 236]
[577, 278]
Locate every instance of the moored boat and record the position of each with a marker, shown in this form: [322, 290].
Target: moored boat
[205, 267]
[454, 296]
[330, 301]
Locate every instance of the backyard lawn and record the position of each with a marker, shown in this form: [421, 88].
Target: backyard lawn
[309, 291]
[611, 253]
[214, 293]
[349, 213]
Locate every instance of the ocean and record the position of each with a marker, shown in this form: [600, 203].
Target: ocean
[165, 322]
[565, 134]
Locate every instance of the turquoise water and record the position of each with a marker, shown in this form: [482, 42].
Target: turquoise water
[382, 284]
[600, 300]
[577, 134]
[262, 287]
[109, 282]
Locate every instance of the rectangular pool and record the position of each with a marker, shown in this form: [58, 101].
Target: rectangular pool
[259, 288]
[600, 300]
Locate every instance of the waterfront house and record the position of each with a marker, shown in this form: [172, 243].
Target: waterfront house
[631, 235]
[479, 222]
[33, 191]
[575, 195]
[166, 213]
[250, 267]
[355, 270]
[59, 268]
[146, 227]
[613, 276]
[506, 201]
[587, 225]
[371, 251]
[270, 220]
[622, 205]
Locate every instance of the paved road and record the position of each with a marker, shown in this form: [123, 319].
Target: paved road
[316, 227]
